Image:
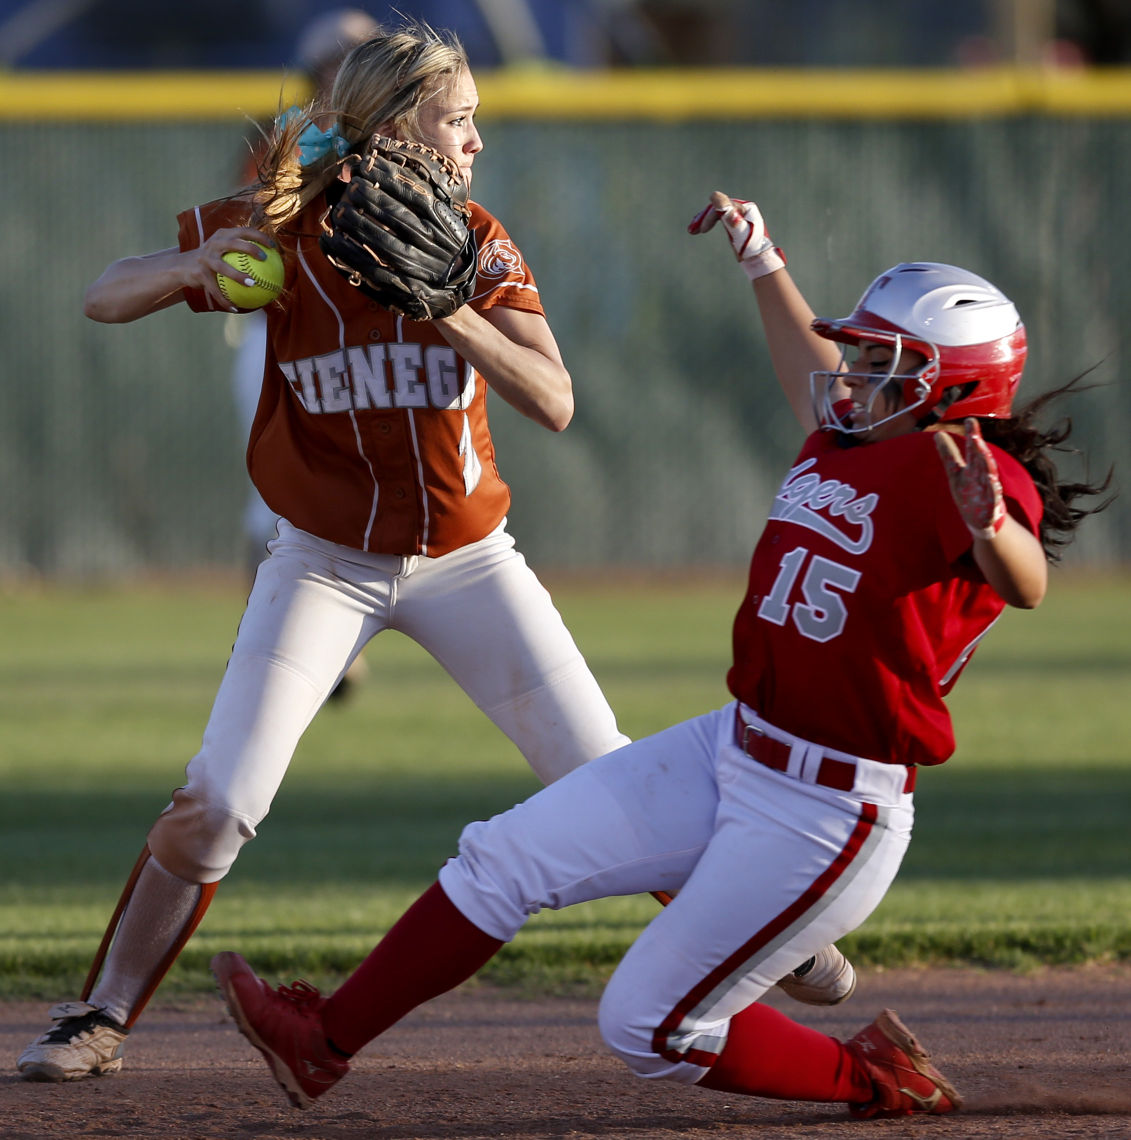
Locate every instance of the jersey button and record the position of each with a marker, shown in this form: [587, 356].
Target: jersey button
[399, 493]
[374, 334]
[384, 427]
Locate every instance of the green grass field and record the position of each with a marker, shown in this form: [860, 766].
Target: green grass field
[1022, 845]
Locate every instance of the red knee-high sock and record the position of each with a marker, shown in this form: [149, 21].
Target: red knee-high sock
[767, 1054]
[430, 950]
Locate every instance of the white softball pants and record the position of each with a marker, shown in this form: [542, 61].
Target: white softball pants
[479, 611]
[769, 869]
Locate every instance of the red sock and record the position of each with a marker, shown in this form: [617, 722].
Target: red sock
[767, 1054]
[430, 950]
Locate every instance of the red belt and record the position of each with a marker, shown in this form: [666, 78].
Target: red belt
[830, 773]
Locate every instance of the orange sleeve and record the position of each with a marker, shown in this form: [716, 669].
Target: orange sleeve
[196, 225]
[502, 275]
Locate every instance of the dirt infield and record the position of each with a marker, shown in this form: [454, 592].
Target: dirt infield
[1046, 1055]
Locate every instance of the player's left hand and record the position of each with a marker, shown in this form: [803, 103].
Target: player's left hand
[399, 232]
[743, 222]
[974, 481]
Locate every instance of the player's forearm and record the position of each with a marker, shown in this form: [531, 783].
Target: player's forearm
[795, 350]
[134, 287]
[1014, 564]
[529, 376]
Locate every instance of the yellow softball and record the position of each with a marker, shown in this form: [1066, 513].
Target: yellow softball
[266, 278]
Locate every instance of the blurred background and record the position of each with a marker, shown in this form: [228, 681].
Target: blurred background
[583, 33]
[995, 134]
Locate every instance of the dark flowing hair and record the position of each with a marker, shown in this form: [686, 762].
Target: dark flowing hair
[1033, 446]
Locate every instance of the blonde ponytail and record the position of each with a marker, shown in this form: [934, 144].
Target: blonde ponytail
[380, 86]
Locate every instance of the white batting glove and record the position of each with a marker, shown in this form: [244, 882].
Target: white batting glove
[974, 481]
[742, 220]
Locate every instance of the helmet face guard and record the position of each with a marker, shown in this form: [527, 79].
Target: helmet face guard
[914, 388]
[968, 331]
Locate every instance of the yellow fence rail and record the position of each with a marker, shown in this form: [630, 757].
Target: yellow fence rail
[661, 95]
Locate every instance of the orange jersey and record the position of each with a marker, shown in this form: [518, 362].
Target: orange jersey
[371, 430]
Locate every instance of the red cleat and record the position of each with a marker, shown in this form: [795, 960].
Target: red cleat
[903, 1078]
[285, 1025]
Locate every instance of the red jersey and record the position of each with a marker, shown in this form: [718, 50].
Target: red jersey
[863, 602]
[371, 430]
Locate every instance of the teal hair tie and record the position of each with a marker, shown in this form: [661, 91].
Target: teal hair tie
[314, 144]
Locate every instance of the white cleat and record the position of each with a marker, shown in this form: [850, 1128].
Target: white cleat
[84, 1042]
[825, 979]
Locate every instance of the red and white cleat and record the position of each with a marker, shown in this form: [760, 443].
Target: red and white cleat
[904, 1080]
[285, 1025]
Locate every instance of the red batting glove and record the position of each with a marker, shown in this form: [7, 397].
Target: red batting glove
[747, 232]
[974, 480]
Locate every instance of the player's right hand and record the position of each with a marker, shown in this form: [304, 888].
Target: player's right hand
[746, 230]
[208, 260]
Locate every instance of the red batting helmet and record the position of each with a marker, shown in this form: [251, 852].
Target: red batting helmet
[968, 330]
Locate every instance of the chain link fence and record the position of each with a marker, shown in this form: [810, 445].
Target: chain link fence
[119, 445]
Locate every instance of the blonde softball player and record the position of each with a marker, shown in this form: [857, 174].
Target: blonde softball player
[371, 442]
